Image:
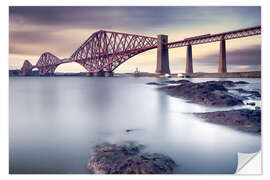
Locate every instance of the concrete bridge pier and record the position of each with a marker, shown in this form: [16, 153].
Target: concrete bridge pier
[189, 65]
[222, 68]
[162, 55]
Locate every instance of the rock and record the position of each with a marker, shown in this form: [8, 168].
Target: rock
[242, 119]
[224, 83]
[154, 83]
[253, 93]
[128, 159]
[251, 103]
[129, 130]
[209, 93]
[178, 82]
[257, 108]
[241, 82]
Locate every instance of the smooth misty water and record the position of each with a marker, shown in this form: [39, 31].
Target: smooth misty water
[56, 121]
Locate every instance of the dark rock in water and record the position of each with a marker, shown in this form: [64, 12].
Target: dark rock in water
[224, 83]
[129, 130]
[209, 93]
[242, 119]
[127, 159]
[257, 108]
[154, 83]
[178, 82]
[253, 93]
[241, 82]
[251, 103]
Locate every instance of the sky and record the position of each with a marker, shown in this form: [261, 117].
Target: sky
[61, 30]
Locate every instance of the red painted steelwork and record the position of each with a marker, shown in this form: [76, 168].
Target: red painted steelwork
[217, 37]
[106, 50]
[47, 63]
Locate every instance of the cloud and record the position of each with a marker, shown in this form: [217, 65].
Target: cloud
[133, 18]
[62, 42]
[246, 56]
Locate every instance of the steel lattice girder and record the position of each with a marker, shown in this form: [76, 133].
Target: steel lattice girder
[106, 50]
[47, 63]
[217, 37]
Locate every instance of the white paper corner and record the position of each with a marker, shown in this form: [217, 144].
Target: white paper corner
[249, 163]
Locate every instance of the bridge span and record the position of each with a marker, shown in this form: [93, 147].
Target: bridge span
[104, 51]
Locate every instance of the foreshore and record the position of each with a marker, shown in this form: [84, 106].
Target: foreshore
[219, 94]
[129, 158]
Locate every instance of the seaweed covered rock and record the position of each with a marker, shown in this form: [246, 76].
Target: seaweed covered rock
[209, 93]
[128, 159]
[243, 119]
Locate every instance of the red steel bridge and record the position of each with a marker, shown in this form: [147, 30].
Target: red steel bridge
[104, 51]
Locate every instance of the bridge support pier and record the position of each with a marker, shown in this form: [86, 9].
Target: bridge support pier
[162, 55]
[89, 74]
[108, 74]
[189, 65]
[99, 74]
[222, 68]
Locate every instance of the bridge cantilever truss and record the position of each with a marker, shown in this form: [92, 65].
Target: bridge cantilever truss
[47, 63]
[102, 51]
[106, 50]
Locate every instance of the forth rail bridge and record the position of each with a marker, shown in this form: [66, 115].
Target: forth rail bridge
[104, 51]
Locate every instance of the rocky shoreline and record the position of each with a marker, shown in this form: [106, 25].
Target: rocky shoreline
[128, 159]
[219, 94]
[212, 93]
[246, 120]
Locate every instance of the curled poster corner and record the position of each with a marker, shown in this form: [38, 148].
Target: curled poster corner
[249, 163]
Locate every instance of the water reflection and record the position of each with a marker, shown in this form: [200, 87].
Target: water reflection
[55, 122]
[162, 109]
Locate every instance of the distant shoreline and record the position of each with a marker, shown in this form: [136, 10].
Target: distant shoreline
[251, 74]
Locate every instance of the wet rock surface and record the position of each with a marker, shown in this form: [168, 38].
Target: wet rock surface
[154, 83]
[251, 103]
[130, 130]
[220, 94]
[250, 93]
[177, 82]
[243, 119]
[241, 82]
[212, 93]
[128, 159]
